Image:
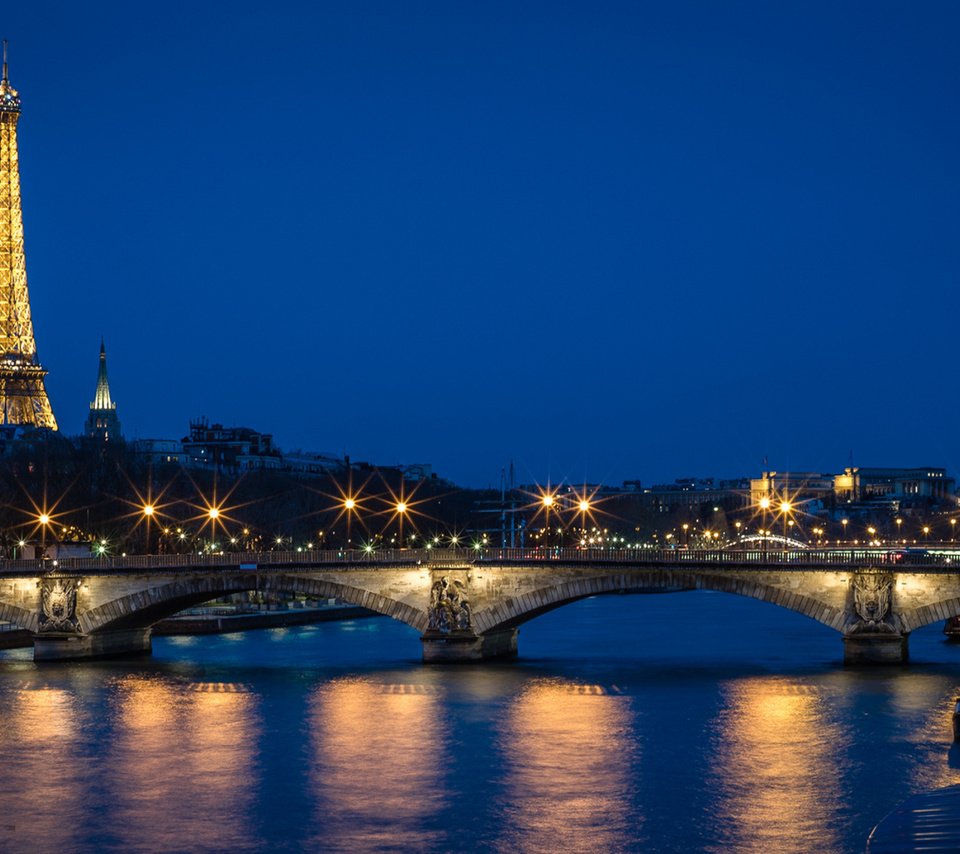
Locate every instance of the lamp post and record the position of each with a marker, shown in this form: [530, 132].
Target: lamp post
[844, 522]
[584, 507]
[785, 508]
[401, 509]
[764, 533]
[349, 506]
[44, 520]
[148, 510]
[213, 514]
[547, 502]
[899, 523]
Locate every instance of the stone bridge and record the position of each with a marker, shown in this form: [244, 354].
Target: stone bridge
[469, 605]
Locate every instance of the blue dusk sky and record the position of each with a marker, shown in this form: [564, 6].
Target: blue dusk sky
[603, 240]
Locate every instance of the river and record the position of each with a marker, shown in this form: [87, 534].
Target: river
[684, 722]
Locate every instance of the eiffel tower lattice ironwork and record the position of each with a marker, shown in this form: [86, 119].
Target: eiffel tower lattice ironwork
[23, 397]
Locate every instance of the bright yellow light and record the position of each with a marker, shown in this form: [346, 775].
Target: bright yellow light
[584, 506]
[213, 513]
[349, 504]
[401, 507]
[785, 507]
[44, 519]
[547, 500]
[764, 503]
[148, 510]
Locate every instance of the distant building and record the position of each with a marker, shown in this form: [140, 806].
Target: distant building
[102, 422]
[230, 449]
[159, 452]
[803, 487]
[311, 464]
[691, 493]
[862, 485]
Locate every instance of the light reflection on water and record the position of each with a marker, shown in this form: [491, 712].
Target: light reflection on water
[566, 752]
[43, 768]
[181, 763]
[335, 738]
[775, 768]
[378, 765]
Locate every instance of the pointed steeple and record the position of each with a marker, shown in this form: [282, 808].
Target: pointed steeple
[101, 399]
[102, 422]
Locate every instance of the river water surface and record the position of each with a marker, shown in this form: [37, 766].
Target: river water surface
[686, 722]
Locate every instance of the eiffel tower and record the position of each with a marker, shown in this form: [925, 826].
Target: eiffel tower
[23, 398]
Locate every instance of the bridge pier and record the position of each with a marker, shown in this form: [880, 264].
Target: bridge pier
[875, 648]
[70, 646]
[466, 647]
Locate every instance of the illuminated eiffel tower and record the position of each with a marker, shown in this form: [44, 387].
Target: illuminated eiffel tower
[23, 398]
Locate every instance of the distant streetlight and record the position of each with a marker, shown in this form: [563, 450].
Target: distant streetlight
[785, 508]
[764, 533]
[148, 511]
[44, 520]
[547, 501]
[401, 509]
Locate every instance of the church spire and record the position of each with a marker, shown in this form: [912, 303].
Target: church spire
[101, 399]
[102, 422]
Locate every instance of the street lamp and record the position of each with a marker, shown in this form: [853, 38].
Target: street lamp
[401, 509]
[764, 533]
[148, 511]
[584, 507]
[547, 502]
[349, 508]
[785, 508]
[899, 523]
[844, 522]
[44, 520]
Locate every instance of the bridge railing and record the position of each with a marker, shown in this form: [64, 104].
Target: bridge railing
[858, 557]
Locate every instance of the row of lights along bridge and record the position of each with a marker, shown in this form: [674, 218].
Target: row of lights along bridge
[567, 519]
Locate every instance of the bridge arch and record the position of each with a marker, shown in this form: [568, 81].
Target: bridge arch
[515, 611]
[935, 612]
[146, 607]
[20, 617]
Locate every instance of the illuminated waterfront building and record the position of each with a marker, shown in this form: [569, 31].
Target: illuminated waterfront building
[102, 422]
[23, 397]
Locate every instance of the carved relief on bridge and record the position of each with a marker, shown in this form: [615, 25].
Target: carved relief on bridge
[58, 605]
[872, 603]
[449, 608]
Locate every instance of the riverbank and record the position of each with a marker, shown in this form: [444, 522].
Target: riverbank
[216, 624]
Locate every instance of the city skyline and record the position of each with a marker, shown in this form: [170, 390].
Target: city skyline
[649, 250]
